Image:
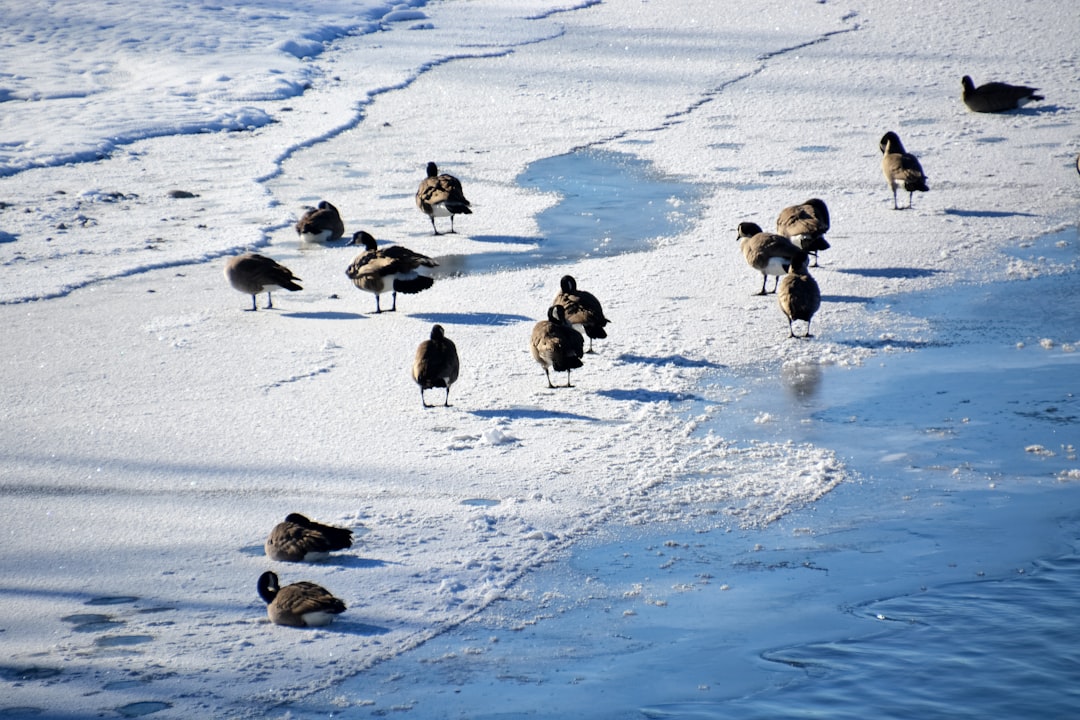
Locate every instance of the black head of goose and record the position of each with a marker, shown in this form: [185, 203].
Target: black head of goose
[298, 539]
[390, 269]
[555, 344]
[806, 225]
[768, 253]
[582, 309]
[440, 195]
[798, 295]
[302, 604]
[436, 364]
[320, 224]
[994, 97]
[900, 168]
[252, 274]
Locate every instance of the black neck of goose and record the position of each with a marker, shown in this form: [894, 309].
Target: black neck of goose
[268, 587]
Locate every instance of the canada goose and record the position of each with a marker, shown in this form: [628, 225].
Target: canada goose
[996, 96]
[298, 539]
[441, 196]
[556, 344]
[798, 295]
[806, 225]
[390, 269]
[900, 168]
[768, 253]
[302, 604]
[436, 364]
[581, 308]
[320, 224]
[252, 274]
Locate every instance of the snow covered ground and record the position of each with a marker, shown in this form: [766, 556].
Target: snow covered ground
[154, 431]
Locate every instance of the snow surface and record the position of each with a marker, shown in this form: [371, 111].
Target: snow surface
[154, 431]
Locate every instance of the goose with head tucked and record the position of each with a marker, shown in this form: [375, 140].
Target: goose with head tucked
[806, 225]
[436, 364]
[798, 295]
[320, 224]
[766, 252]
[582, 309]
[298, 539]
[555, 344]
[900, 168]
[252, 274]
[995, 97]
[391, 269]
[302, 604]
[440, 195]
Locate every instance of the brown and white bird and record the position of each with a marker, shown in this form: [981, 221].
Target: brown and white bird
[436, 364]
[582, 309]
[390, 269]
[555, 344]
[440, 195]
[994, 97]
[298, 539]
[900, 168]
[302, 604]
[320, 224]
[768, 253]
[798, 295]
[806, 225]
[252, 274]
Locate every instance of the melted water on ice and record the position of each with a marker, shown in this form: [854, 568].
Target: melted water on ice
[609, 203]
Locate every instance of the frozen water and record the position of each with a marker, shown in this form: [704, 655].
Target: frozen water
[720, 489]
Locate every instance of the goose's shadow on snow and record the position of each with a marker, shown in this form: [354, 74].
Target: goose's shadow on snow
[343, 560]
[473, 318]
[652, 396]
[325, 315]
[987, 213]
[893, 272]
[675, 360]
[530, 413]
[876, 344]
[847, 299]
[1038, 110]
[347, 627]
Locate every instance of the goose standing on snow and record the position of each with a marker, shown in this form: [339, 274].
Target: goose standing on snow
[768, 253]
[391, 269]
[900, 168]
[994, 97]
[440, 195]
[436, 364]
[302, 604]
[806, 225]
[320, 224]
[299, 539]
[556, 344]
[798, 295]
[252, 274]
[581, 309]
